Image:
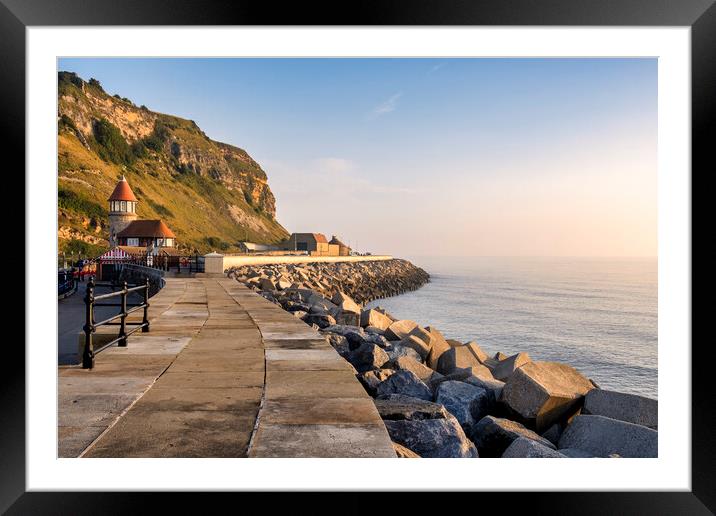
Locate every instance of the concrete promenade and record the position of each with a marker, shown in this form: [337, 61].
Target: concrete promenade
[222, 373]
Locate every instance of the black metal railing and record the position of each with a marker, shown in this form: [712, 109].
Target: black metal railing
[90, 327]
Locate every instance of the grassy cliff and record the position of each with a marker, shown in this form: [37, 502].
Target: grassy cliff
[211, 194]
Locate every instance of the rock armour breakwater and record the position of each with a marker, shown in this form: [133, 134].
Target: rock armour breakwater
[442, 398]
[362, 281]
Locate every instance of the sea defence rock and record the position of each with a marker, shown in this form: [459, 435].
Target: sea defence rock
[438, 438]
[624, 407]
[362, 281]
[266, 284]
[501, 402]
[574, 453]
[492, 435]
[438, 346]
[543, 393]
[345, 303]
[468, 355]
[339, 343]
[321, 320]
[417, 344]
[503, 369]
[367, 356]
[422, 334]
[602, 437]
[404, 453]
[374, 331]
[374, 318]
[523, 448]
[492, 386]
[396, 407]
[283, 284]
[371, 379]
[399, 330]
[466, 402]
[348, 318]
[396, 351]
[420, 370]
[406, 383]
[553, 433]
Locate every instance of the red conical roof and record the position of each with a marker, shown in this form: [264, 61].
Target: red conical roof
[122, 192]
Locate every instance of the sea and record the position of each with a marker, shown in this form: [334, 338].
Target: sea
[598, 315]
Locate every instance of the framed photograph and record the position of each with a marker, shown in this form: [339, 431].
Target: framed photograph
[294, 246]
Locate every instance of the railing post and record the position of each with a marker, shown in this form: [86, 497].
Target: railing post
[88, 354]
[122, 326]
[145, 320]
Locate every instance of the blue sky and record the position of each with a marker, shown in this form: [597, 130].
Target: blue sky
[459, 156]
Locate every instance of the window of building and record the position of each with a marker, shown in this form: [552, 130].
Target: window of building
[133, 241]
[170, 242]
[160, 242]
[124, 206]
[302, 246]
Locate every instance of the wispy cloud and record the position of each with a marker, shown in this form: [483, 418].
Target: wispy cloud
[387, 106]
[436, 68]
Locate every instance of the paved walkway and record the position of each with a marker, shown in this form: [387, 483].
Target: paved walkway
[222, 373]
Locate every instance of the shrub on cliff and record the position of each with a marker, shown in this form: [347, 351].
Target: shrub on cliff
[217, 243]
[110, 144]
[69, 200]
[94, 83]
[81, 247]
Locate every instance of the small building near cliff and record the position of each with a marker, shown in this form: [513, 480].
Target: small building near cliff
[315, 244]
[343, 249]
[250, 247]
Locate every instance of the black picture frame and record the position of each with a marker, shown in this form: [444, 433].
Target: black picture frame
[700, 15]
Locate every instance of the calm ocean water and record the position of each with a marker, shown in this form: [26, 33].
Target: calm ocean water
[596, 314]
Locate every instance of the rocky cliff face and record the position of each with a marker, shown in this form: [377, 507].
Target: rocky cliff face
[211, 194]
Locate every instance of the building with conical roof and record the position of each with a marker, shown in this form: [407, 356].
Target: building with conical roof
[125, 229]
[122, 210]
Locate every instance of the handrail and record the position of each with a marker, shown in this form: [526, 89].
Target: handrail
[88, 356]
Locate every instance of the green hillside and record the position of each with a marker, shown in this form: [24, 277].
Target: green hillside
[211, 194]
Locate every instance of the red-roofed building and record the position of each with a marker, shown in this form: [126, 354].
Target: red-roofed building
[125, 229]
[144, 233]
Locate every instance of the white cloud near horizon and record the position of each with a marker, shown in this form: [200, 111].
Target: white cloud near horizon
[387, 106]
[334, 165]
